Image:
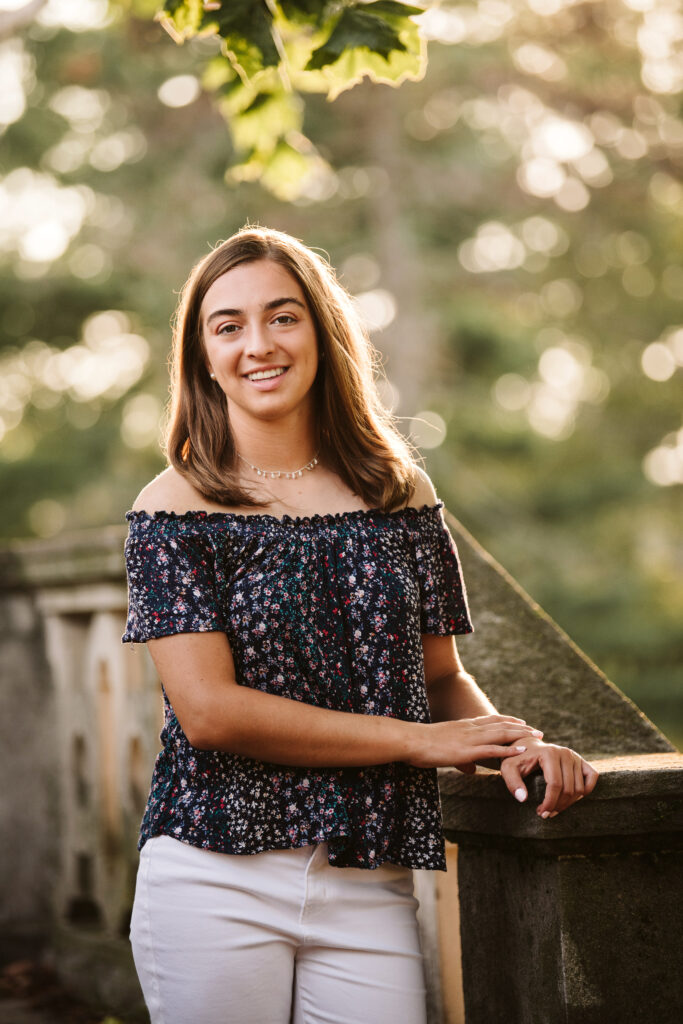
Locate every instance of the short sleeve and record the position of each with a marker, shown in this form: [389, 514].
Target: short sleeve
[170, 562]
[443, 598]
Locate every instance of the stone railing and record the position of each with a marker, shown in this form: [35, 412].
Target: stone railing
[81, 717]
[576, 919]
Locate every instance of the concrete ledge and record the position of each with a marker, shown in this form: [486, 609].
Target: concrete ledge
[543, 904]
[640, 796]
[68, 559]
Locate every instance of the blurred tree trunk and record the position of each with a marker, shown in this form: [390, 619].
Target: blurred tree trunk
[409, 341]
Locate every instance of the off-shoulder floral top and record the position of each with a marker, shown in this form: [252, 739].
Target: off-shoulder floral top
[325, 609]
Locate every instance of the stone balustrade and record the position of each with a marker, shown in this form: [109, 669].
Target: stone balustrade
[576, 919]
[80, 719]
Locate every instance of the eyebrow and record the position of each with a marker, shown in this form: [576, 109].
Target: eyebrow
[273, 304]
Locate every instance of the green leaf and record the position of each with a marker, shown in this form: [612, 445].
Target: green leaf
[185, 16]
[303, 11]
[286, 171]
[274, 51]
[380, 42]
[258, 121]
[356, 29]
[174, 7]
[246, 26]
[390, 9]
[260, 100]
[219, 75]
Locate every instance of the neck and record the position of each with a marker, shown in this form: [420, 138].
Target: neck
[275, 445]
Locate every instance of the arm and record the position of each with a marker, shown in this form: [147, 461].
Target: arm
[216, 713]
[452, 692]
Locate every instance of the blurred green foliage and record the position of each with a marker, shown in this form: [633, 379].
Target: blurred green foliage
[268, 52]
[512, 223]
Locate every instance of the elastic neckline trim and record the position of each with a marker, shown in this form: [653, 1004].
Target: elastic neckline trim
[325, 518]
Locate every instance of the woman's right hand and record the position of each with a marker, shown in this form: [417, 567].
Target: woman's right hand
[460, 744]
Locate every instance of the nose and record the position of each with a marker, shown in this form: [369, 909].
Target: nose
[258, 341]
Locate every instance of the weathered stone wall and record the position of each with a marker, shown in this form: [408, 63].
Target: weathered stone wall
[86, 713]
[577, 918]
[80, 723]
[29, 795]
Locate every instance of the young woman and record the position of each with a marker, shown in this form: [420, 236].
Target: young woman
[299, 592]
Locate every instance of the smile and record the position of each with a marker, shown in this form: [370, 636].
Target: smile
[266, 374]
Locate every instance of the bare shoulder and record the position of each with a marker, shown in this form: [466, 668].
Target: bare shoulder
[424, 492]
[168, 492]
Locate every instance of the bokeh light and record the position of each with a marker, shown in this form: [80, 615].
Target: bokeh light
[494, 247]
[360, 272]
[107, 361]
[377, 308]
[75, 15]
[141, 421]
[663, 465]
[658, 362]
[38, 216]
[427, 429]
[179, 91]
[16, 78]
[47, 517]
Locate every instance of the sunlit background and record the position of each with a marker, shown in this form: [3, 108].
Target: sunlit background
[511, 228]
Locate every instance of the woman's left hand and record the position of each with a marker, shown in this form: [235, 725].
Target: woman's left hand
[568, 777]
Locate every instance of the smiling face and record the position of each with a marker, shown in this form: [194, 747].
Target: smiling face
[260, 342]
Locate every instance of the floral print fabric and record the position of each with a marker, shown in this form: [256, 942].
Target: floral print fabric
[326, 609]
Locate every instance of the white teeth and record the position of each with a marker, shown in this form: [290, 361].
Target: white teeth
[265, 374]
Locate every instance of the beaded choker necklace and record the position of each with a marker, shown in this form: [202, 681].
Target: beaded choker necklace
[276, 474]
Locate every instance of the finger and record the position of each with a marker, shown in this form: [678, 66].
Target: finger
[501, 718]
[578, 780]
[552, 773]
[492, 750]
[507, 733]
[495, 721]
[566, 797]
[487, 721]
[590, 777]
[513, 780]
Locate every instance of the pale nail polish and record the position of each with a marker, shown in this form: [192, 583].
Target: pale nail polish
[520, 748]
[520, 794]
[545, 814]
[537, 732]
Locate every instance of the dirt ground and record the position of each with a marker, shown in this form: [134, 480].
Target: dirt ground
[31, 993]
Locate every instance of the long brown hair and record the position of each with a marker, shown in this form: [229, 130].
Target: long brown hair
[357, 435]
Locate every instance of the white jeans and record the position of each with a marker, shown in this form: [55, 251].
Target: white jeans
[274, 938]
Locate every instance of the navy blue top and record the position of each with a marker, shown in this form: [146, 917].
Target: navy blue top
[324, 609]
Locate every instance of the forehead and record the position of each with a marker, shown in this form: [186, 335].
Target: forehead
[250, 286]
